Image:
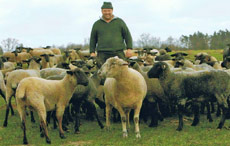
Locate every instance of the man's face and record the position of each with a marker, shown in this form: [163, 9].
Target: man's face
[107, 14]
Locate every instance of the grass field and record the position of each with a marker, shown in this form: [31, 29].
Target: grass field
[90, 133]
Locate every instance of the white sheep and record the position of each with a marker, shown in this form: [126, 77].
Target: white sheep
[125, 89]
[47, 95]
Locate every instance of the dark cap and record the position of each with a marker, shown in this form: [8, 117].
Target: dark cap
[107, 5]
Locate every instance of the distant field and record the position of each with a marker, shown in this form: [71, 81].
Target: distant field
[216, 53]
[90, 133]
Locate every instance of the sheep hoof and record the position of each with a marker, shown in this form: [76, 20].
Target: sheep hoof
[33, 121]
[210, 120]
[5, 124]
[25, 142]
[77, 132]
[42, 134]
[62, 136]
[179, 129]
[48, 141]
[125, 134]
[138, 135]
[108, 128]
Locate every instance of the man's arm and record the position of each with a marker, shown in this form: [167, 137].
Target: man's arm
[127, 36]
[93, 41]
[128, 39]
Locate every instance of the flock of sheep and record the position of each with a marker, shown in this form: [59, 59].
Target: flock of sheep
[154, 84]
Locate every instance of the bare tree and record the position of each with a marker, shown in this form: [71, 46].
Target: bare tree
[86, 44]
[9, 44]
[146, 40]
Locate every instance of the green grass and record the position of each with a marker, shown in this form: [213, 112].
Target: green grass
[90, 133]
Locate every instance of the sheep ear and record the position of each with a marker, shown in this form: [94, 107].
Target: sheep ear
[69, 72]
[42, 55]
[38, 60]
[51, 55]
[125, 63]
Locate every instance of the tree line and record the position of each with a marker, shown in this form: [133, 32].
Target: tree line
[196, 41]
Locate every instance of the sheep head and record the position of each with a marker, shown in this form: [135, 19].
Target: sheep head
[78, 76]
[112, 67]
[158, 70]
[47, 57]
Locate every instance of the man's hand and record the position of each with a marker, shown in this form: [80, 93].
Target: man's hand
[93, 55]
[128, 53]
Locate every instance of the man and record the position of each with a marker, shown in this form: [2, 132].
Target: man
[110, 36]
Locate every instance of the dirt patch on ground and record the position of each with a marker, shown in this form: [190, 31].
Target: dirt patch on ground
[77, 143]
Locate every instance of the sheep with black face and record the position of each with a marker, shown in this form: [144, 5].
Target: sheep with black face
[180, 85]
[47, 95]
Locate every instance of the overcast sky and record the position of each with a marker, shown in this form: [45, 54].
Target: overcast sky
[46, 22]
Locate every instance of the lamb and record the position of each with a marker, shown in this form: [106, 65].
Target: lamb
[47, 95]
[207, 84]
[13, 80]
[125, 89]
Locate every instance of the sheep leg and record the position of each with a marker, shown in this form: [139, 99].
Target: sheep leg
[69, 114]
[77, 119]
[53, 114]
[48, 117]
[180, 116]
[96, 115]
[202, 107]
[209, 116]
[154, 115]
[32, 117]
[22, 113]
[11, 108]
[213, 107]
[123, 120]
[9, 93]
[6, 116]
[42, 117]
[127, 112]
[196, 114]
[108, 114]
[222, 121]
[224, 106]
[160, 117]
[218, 112]
[59, 115]
[136, 119]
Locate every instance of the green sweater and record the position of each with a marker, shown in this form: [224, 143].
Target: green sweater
[110, 36]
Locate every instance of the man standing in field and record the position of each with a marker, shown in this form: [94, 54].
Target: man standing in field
[110, 36]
